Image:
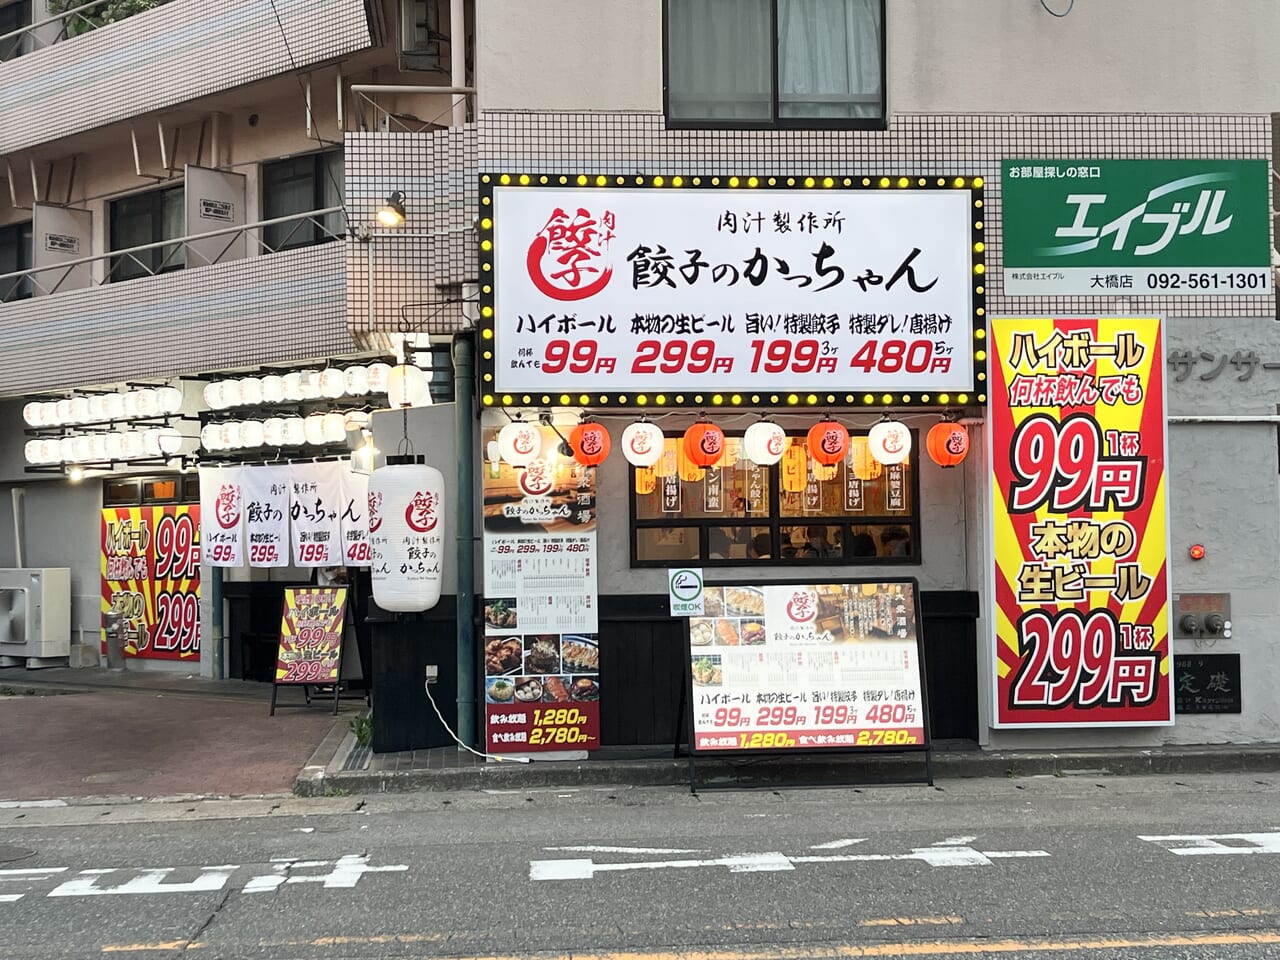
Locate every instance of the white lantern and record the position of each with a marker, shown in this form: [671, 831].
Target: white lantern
[642, 444]
[115, 445]
[231, 393]
[253, 433]
[519, 443]
[170, 399]
[406, 526]
[889, 441]
[492, 452]
[50, 451]
[355, 419]
[48, 413]
[379, 374]
[63, 411]
[97, 408]
[251, 391]
[408, 387]
[31, 413]
[291, 384]
[82, 449]
[313, 428]
[209, 436]
[213, 395]
[130, 401]
[67, 449]
[309, 383]
[764, 443]
[78, 409]
[170, 440]
[113, 404]
[98, 447]
[333, 383]
[335, 428]
[273, 431]
[31, 450]
[295, 432]
[272, 389]
[151, 443]
[148, 403]
[232, 434]
[133, 444]
[356, 381]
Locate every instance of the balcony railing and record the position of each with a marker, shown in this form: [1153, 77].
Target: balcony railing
[70, 19]
[164, 256]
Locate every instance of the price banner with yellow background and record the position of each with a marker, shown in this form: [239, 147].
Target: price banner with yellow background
[310, 649]
[1080, 516]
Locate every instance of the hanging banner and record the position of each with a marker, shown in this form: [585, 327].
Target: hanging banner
[266, 515]
[830, 286]
[356, 551]
[315, 504]
[818, 666]
[222, 515]
[310, 649]
[1080, 516]
[151, 580]
[542, 665]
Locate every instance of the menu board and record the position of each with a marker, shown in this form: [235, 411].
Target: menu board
[541, 657]
[150, 565]
[310, 650]
[833, 665]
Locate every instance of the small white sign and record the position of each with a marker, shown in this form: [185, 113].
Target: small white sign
[684, 585]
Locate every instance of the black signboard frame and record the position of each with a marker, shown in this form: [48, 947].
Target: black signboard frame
[342, 648]
[925, 747]
[1189, 674]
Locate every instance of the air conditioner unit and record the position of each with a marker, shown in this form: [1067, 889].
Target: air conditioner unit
[35, 617]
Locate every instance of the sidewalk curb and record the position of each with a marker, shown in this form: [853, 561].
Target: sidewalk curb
[797, 771]
[314, 780]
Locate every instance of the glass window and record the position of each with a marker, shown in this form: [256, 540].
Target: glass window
[15, 255]
[143, 219]
[785, 63]
[298, 185]
[14, 16]
[857, 511]
[122, 493]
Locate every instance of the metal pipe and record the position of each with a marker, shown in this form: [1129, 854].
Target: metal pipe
[458, 57]
[406, 88]
[464, 429]
[217, 664]
[18, 495]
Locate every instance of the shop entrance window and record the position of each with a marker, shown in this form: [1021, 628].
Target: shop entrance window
[793, 513]
[298, 185]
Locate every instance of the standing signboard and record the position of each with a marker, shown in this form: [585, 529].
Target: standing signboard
[1136, 228]
[151, 580]
[1079, 511]
[310, 648]
[768, 291]
[808, 667]
[541, 655]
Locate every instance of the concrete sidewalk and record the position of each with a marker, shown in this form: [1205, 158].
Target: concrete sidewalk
[128, 734]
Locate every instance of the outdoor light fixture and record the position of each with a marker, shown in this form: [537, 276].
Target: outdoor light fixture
[391, 213]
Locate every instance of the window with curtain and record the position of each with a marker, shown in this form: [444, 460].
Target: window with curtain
[299, 185]
[15, 255]
[14, 16]
[775, 63]
[147, 218]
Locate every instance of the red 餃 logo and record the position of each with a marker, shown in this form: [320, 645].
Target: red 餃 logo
[568, 259]
[802, 607]
[420, 514]
[227, 507]
[536, 479]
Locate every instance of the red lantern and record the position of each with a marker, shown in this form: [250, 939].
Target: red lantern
[828, 442]
[590, 443]
[704, 444]
[948, 443]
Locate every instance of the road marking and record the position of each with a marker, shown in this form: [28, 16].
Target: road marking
[918, 948]
[955, 842]
[585, 869]
[623, 849]
[29, 874]
[837, 844]
[1219, 844]
[912, 922]
[25, 804]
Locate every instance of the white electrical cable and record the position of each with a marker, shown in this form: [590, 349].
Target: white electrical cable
[444, 723]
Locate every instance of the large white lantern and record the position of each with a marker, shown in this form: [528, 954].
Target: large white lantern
[642, 444]
[408, 386]
[378, 375]
[313, 429]
[272, 389]
[519, 443]
[250, 391]
[356, 381]
[333, 383]
[133, 444]
[295, 431]
[406, 533]
[115, 445]
[213, 395]
[97, 408]
[335, 428]
[889, 441]
[33, 414]
[252, 433]
[82, 449]
[230, 393]
[309, 383]
[50, 451]
[113, 406]
[98, 447]
[31, 450]
[209, 436]
[170, 399]
[62, 410]
[764, 443]
[148, 403]
[273, 431]
[79, 408]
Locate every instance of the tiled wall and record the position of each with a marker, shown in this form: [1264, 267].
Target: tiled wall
[166, 56]
[285, 306]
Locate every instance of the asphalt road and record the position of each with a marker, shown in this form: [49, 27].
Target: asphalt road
[1038, 868]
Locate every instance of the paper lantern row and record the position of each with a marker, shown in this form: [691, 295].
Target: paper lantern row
[105, 447]
[411, 383]
[103, 407]
[316, 430]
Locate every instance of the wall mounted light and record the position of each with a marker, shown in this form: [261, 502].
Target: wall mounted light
[391, 213]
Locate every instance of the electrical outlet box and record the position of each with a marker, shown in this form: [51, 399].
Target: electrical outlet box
[1202, 615]
[433, 673]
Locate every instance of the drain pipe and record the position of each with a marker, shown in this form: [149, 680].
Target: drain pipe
[217, 662]
[464, 429]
